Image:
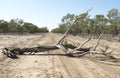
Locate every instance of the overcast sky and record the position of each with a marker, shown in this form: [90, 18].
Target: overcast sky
[49, 12]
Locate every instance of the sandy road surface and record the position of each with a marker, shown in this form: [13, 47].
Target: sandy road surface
[55, 64]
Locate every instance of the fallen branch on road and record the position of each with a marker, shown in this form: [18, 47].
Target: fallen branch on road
[76, 51]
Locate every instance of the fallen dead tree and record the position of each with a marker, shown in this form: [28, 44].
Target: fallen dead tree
[75, 51]
[13, 52]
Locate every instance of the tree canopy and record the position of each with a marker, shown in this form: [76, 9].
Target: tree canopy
[109, 24]
[20, 27]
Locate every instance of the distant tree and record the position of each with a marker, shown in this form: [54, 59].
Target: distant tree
[12, 26]
[97, 25]
[82, 24]
[114, 20]
[3, 26]
[43, 30]
[30, 28]
[19, 26]
[16, 25]
[66, 21]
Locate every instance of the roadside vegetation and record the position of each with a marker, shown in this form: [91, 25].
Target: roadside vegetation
[20, 27]
[100, 24]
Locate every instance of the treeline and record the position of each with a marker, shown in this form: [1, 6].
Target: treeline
[109, 24]
[20, 27]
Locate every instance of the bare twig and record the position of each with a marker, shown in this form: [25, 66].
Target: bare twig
[108, 54]
[89, 10]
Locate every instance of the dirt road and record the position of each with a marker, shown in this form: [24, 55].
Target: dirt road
[55, 64]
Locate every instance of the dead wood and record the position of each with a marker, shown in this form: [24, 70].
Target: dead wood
[94, 48]
[8, 53]
[79, 47]
[76, 52]
[13, 52]
[65, 34]
[59, 41]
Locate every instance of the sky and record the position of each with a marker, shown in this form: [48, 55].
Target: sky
[48, 13]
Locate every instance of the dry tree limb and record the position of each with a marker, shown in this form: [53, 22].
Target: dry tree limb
[13, 52]
[89, 10]
[79, 51]
[82, 44]
[65, 34]
[62, 48]
[59, 41]
[8, 53]
[108, 54]
[104, 52]
[94, 48]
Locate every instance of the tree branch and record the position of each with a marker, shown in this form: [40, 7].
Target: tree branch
[94, 48]
[59, 41]
[82, 44]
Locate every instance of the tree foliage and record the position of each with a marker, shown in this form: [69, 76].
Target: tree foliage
[109, 24]
[20, 27]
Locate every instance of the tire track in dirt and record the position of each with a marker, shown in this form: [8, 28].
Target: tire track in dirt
[40, 65]
[54, 64]
[9, 66]
[95, 69]
[18, 42]
[85, 68]
[102, 69]
[66, 66]
[70, 67]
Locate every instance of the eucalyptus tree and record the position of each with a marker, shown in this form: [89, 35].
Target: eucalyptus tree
[3, 26]
[66, 22]
[100, 23]
[82, 23]
[12, 25]
[30, 28]
[16, 25]
[20, 24]
[114, 20]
